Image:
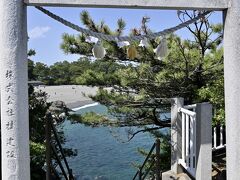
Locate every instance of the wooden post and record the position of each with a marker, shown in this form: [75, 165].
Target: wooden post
[158, 168]
[48, 146]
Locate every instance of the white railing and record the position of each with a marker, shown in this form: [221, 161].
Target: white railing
[218, 135]
[188, 160]
[191, 139]
[188, 120]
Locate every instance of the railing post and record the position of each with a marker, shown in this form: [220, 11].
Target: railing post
[48, 146]
[203, 141]
[158, 169]
[187, 140]
[221, 135]
[184, 137]
[215, 137]
[176, 133]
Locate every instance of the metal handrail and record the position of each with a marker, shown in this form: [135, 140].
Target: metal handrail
[49, 128]
[145, 161]
[59, 162]
[148, 156]
[148, 170]
[55, 172]
[139, 173]
[60, 147]
[136, 174]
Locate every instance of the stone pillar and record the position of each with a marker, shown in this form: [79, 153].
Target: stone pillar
[14, 91]
[176, 134]
[232, 87]
[204, 141]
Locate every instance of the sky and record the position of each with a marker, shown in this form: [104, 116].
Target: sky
[45, 34]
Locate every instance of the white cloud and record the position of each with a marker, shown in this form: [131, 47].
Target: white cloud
[38, 32]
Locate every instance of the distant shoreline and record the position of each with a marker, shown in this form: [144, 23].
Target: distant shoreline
[71, 95]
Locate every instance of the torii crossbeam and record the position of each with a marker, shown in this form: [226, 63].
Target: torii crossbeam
[13, 74]
[138, 4]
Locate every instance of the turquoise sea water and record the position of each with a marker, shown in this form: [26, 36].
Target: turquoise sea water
[100, 154]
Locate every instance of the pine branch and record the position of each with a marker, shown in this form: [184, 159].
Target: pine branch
[87, 21]
[121, 26]
[143, 131]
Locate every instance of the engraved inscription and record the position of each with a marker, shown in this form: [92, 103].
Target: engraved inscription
[10, 142]
[9, 100]
[11, 154]
[12, 177]
[9, 74]
[9, 112]
[9, 125]
[12, 166]
[9, 87]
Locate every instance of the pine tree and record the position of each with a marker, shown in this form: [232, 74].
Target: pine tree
[140, 91]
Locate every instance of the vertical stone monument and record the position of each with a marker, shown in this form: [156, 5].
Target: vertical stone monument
[14, 91]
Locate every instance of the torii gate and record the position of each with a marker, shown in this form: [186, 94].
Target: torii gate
[13, 73]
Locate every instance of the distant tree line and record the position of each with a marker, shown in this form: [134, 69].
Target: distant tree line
[66, 73]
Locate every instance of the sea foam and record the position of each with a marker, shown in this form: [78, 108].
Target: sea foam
[85, 106]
